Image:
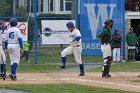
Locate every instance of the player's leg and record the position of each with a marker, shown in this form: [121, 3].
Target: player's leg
[107, 61]
[3, 64]
[16, 58]
[64, 53]
[118, 55]
[114, 54]
[77, 55]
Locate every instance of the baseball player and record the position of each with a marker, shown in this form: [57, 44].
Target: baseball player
[13, 44]
[75, 47]
[105, 40]
[2, 54]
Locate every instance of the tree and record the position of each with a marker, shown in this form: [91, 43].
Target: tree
[6, 8]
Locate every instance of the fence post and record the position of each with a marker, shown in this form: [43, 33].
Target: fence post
[35, 33]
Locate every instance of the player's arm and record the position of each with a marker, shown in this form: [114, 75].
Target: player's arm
[77, 37]
[100, 39]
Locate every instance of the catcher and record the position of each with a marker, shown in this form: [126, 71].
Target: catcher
[105, 40]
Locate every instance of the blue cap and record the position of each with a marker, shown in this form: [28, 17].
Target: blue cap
[70, 24]
[13, 22]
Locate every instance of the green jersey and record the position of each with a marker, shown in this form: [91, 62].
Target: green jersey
[131, 39]
[106, 35]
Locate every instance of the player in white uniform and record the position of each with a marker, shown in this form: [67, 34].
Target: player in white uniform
[75, 48]
[2, 54]
[13, 44]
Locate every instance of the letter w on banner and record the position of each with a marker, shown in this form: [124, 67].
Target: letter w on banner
[93, 13]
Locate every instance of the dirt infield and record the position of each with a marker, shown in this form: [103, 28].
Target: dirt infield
[119, 80]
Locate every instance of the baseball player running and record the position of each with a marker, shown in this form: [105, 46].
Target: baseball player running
[13, 44]
[105, 40]
[75, 47]
[2, 54]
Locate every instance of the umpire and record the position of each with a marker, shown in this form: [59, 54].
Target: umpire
[105, 40]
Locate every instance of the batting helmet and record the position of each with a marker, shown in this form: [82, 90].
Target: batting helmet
[70, 24]
[1, 22]
[13, 22]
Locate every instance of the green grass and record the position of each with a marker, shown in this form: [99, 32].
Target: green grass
[122, 67]
[61, 88]
[53, 55]
[37, 68]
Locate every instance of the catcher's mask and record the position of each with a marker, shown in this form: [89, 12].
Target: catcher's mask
[109, 22]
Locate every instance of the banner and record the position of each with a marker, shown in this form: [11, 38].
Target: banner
[23, 26]
[93, 14]
[55, 31]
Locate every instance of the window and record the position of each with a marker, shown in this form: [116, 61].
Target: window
[61, 5]
[68, 5]
[50, 5]
[65, 5]
[132, 5]
[41, 5]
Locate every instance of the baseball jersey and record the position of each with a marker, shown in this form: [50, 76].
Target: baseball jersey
[0, 37]
[106, 35]
[12, 35]
[75, 33]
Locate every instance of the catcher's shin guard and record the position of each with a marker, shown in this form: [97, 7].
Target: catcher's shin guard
[104, 70]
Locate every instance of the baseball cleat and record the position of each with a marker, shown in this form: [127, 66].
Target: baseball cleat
[82, 74]
[1, 75]
[13, 77]
[106, 76]
[62, 67]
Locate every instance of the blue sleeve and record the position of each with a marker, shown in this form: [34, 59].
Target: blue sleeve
[6, 44]
[77, 38]
[20, 42]
[5, 27]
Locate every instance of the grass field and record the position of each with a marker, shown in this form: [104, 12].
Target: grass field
[52, 55]
[61, 88]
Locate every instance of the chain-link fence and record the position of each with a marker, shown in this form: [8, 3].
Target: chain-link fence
[43, 25]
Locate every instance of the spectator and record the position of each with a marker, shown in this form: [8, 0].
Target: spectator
[26, 50]
[131, 40]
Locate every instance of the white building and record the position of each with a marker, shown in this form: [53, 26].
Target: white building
[46, 6]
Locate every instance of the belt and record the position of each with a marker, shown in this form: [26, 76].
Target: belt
[77, 46]
[12, 43]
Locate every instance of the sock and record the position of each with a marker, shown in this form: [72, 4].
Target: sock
[2, 68]
[63, 60]
[81, 68]
[13, 71]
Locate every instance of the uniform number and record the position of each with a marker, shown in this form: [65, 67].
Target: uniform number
[11, 35]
